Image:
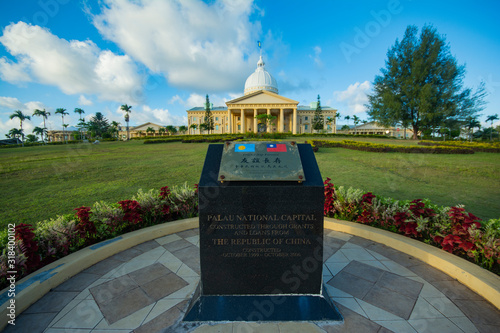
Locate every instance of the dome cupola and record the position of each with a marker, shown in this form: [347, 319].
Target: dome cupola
[260, 80]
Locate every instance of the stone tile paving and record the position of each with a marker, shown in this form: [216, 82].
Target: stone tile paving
[147, 289]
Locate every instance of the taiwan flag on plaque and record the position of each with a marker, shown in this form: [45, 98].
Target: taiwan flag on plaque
[244, 147]
[276, 147]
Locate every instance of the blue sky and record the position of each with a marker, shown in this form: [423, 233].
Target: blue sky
[162, 57]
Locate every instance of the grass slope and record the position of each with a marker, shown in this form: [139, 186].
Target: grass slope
[37, 183]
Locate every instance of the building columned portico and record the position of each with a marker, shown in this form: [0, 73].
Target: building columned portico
[261, 97]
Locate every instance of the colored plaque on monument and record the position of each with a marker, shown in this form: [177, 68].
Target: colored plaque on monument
[261, 161]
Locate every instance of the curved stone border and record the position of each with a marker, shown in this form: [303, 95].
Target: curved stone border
[480, 280]
[34, 286]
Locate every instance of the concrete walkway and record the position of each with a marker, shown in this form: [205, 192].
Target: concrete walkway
[148, 287]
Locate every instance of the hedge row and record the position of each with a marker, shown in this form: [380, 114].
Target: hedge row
[162, 140]
[345, 135]
[35, 144]
[476, 146]
[386, 148]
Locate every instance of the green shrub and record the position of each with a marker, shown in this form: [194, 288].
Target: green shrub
[386, 148]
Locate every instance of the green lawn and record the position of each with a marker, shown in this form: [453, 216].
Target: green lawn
[37, 183]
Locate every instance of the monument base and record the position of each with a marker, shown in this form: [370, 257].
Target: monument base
[261, 308]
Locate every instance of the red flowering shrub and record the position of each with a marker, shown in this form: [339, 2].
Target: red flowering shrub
[29, 246]
[461, 240]
[86, 228]
[132, 211]
[329, 209]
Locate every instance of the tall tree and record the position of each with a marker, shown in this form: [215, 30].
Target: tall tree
[183, 129]
[127, 109]
[194, 127]
[347, 118]
[150, 130]
[161, 131]
[22, 117]
[171, 130]
[209, 119]
[356, 122]
[62, 112]
[318, 122]
[492, 118]
[40, 131]
[44, 114]
[80, 112]
[470, 124]
[16, 133]
[114, 128]
[98, 124]
[422, 84]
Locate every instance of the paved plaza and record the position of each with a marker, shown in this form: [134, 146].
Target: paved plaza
[147, 288]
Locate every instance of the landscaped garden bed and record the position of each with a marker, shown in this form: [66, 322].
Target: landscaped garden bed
[450, 228]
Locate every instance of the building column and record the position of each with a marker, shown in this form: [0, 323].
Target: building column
[255, 120]
[229, 120]
[282, 121]
[294, 121]
[268, 123]
[243, 121]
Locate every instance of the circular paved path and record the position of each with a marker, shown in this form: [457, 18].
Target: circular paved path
[147, 289]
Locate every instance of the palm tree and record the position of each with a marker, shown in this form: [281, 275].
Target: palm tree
[127, 110]
[62, 112]
[171, 130]
[150, 130]
[492, 118]
[140, 133]
[40, 131]
[356, 122]
[347, 118]
[329, 121]
[471, 123]
[114, 127]
[22, 117]
[194, 127]
[183, 129]
[15, 133]
[44, 114]
[161, 130]
[80, 111]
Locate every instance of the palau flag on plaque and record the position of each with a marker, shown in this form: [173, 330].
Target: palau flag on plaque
[276, 147]
[244, 147]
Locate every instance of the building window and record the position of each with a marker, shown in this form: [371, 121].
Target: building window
[216, 118]
[305, 126]
[239, 127]
[306, 118]
[194, 119]
[239, 118]
[216, 127]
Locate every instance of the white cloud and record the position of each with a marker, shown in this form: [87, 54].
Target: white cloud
[355, 96]
[13, 72]
[194, 44]
[10, 104]
[316, 57]
[75, 67]
[84, 100]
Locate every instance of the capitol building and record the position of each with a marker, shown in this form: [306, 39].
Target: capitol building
[261, 97]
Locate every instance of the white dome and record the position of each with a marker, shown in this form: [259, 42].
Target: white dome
[260, 80]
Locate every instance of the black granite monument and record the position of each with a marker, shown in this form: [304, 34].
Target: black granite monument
[261, 235]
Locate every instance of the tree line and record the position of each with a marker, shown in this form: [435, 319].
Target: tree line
[97, 126]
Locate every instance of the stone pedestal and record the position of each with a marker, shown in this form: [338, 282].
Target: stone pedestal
[261, 247]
